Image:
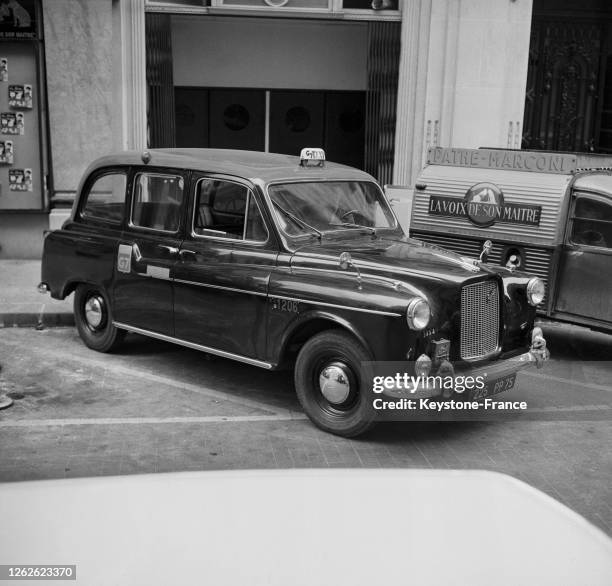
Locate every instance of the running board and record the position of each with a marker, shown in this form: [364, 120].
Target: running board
[194, 346]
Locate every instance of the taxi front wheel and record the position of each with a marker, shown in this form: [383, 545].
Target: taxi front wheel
[93, 319]
[330, 384]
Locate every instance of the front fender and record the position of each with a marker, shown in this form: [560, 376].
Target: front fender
[312, 322]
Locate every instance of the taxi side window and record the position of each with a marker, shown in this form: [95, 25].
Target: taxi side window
[224, 209]
[105, 198]
[157, 201]
[592, 223]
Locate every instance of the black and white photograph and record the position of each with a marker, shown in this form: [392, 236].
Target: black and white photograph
[3, 69]
[7, 152]
[20, 96]
[12, 123]
[306, 292]
[20, 179]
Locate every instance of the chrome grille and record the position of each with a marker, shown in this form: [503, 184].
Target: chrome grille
[479, 319]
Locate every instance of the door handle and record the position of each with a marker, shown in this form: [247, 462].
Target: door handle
[188, 255]
[575, 252]
[168, 249]
[136, 252]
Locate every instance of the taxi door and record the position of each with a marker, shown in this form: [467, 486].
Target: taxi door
[585, 278]
[149, 250]
[223, 270]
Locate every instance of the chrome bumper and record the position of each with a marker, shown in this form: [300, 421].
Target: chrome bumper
[536, 356]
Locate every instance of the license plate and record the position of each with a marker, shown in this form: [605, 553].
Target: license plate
[494, 387]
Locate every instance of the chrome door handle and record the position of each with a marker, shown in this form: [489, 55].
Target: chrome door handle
[168, 249]
[186, 254]
[136, 252]
[575, 252]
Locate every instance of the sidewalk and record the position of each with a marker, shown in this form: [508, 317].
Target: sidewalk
[21, 305]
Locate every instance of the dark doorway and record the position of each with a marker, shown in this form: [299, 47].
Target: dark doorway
[296, 121]
[236, 119]
[191, 108]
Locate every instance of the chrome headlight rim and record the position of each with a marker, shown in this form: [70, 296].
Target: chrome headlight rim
[411, 311]
[536, 291]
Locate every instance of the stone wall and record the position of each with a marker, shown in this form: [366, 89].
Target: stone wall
[78, 48]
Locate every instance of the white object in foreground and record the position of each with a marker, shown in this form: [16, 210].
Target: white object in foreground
[311, 527]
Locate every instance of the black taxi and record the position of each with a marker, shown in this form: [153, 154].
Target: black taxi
[281, 261]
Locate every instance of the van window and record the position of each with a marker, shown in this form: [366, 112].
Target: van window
[592, 222]
[105, 198]
[157, 201]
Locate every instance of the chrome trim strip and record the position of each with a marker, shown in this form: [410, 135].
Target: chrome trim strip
[299, 300]
[336, 306]
[394, 283]
[194, 346]
[209, 285]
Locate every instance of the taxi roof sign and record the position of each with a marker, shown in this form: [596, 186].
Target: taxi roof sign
[312, 157]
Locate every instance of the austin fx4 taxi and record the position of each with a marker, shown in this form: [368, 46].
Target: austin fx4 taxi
[281, 261]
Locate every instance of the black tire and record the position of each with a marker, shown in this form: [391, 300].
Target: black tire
[345, 416]
[98, 332]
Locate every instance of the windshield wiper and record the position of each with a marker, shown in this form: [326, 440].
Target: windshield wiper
[297, 220]
[370, 229]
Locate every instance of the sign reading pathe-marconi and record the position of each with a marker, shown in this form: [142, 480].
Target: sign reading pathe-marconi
[503, 160]
[483, 204]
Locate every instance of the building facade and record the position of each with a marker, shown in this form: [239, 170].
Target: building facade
[376, 83]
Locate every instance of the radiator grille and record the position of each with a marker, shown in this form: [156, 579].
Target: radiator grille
[479, 319]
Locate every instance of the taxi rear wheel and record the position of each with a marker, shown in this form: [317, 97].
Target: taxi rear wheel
[93, 319]
[330, 386]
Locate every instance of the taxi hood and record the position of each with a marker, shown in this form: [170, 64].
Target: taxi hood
[391, 257]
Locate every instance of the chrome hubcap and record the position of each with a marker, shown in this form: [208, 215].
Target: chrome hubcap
[334, 383]
[94, 311]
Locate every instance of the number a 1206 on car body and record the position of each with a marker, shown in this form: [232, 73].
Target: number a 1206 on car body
[280, 261]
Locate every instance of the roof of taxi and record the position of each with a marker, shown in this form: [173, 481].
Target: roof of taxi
[266, 167]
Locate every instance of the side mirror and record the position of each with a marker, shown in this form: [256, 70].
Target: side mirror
[345, 260]
[486, 248]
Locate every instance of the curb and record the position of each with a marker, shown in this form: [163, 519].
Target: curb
[26, 320]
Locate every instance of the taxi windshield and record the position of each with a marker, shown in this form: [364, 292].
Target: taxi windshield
[318, 207]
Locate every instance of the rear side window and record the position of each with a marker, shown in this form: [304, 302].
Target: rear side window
[157, 201]
[105, 199]
[592, 223]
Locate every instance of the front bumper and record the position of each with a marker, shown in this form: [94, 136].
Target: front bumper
[536, 356]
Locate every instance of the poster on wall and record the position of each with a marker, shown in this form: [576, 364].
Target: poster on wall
[20, 96]
[20, 179]
[12, 123]
[18, 19]
[3, 69]
[6, 152]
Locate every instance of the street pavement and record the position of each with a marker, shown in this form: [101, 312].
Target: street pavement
[156, 407]
[20, 302]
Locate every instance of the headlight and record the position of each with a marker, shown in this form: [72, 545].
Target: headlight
[535, 291]
[418, 313]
